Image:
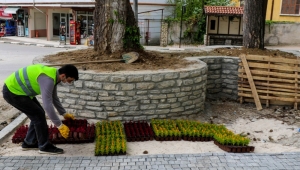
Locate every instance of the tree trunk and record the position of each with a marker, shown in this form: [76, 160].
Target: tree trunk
[112, 19]
[254, 23]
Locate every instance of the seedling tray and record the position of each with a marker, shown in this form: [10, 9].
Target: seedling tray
[138, 131]
[235, 149]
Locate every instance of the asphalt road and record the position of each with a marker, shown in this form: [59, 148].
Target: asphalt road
[14, 57]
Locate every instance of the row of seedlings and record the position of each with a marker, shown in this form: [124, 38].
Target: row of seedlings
[165, 129]
[80, 132]
[230, 142]
[138, 131]
[195, 131]
[110, 139]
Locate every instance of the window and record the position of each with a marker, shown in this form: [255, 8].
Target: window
[290, 6]
[81, 12]
[212, 24]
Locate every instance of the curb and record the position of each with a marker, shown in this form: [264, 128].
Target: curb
[11, 127]
[38, 45]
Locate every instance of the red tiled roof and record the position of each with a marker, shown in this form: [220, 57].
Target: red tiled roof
[223, 10]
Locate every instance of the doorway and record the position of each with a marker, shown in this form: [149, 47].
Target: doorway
[58, 18]
[56, 23]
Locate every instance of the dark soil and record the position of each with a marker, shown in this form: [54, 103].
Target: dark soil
[151, 60]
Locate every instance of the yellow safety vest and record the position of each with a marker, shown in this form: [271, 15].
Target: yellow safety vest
[24, 81]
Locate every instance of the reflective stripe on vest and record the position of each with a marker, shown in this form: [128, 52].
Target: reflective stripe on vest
[28, 88]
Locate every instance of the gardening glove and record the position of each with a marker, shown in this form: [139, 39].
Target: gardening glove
[64, 130]
[68, 116]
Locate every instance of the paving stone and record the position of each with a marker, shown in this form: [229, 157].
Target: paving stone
[175, 166]
[173, 161]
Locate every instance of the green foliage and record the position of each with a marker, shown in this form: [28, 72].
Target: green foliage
[111, 21]
[132, 33]
[116, 13]
[194, 16]
[132, 38]
[270, 23]
[220, 2]
[110, 138]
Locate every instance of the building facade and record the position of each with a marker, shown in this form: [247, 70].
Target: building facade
[42, 18]
[280, 10]
[224, 25]
[283, 10]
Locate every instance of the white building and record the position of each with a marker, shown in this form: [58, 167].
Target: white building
[42, 18]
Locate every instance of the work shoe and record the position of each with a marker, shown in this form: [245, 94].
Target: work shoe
[51, 149]
[26, 147]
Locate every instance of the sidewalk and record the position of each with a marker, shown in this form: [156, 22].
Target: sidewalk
[211, 161]
[40, 42]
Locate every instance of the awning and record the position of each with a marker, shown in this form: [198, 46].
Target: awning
[5, 16]
[11, 10]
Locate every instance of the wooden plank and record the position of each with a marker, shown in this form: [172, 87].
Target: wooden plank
[272, 59]
[261, 72]
[271, 98]
[251, 82]
[272, 66]
[286, 86]
[270, 88]
[242, 79]
[275, 78]
[271, 79]
[272, 92]
[268, 101]
[296, 87]
[272, 102]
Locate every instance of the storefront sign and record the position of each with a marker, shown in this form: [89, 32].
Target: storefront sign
[4, 15]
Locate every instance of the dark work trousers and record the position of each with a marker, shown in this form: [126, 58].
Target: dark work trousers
[38, 128]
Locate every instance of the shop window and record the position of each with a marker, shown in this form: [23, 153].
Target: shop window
[212, 24]
[290, 7]
[86, 20]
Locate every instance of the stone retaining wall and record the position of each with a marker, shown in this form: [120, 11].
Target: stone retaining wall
[222, 77]
[138, 95]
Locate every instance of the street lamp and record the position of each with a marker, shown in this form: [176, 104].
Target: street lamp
[182, 12]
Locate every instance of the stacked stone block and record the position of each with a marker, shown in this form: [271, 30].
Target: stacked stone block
[222, 77]
[137, 95]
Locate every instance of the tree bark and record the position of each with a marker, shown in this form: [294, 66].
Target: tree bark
[254, 23]
[111, 20]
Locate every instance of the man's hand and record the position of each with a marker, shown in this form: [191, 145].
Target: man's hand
[64, 131]
[68, 116]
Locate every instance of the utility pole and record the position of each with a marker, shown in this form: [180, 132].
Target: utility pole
[182, 12]
[135, 7]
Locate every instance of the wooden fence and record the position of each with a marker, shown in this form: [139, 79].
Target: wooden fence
[269, 80]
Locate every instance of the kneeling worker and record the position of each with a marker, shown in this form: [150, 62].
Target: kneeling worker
[20, 89]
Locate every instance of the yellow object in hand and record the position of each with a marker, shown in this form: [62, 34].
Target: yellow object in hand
[69, 116]
[64, 130]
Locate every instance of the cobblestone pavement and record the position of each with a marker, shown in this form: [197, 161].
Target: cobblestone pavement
[209, 161]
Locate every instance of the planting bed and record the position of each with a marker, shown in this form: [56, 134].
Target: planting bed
[80, 132]
[111, 135]
[138, 131]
